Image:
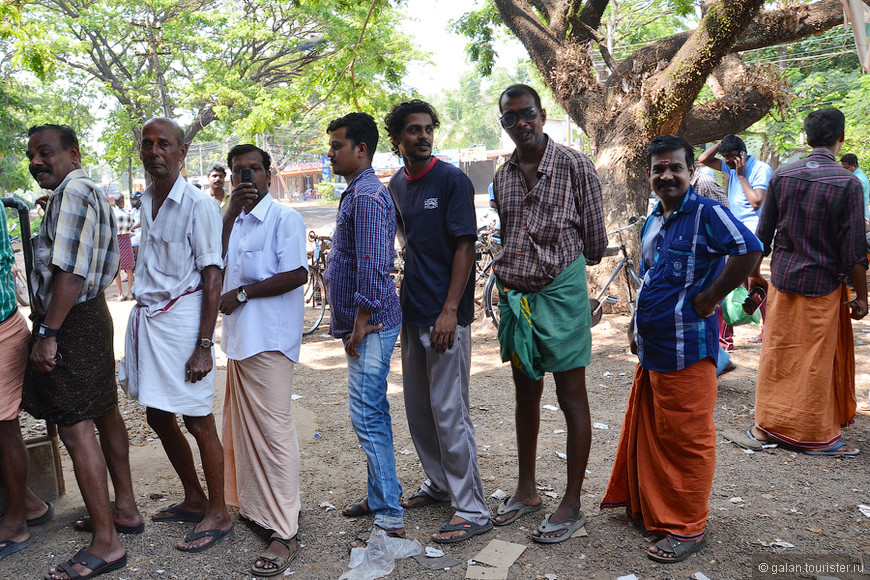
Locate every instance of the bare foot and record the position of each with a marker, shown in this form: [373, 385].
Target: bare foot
[362, 540]
[356, 509]
[278, 549]
[212, 521]
[112, 555]
[533, 501]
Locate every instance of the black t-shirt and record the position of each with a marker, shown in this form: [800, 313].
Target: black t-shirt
[436, 207]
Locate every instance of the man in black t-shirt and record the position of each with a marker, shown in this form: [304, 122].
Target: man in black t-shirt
[435, 205]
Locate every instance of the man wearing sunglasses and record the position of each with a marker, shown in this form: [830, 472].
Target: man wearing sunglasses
[549, 200]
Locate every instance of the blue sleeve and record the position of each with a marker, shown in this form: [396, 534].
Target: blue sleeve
[373, 249]
[760, 177]
[727, 234]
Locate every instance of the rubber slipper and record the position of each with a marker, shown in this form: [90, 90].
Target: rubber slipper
[835, 451]
[8, 547]
[281, 562]
[83, 524]
[215, 535]
[569, 526]
[427, 500]
[364, 536]
[356, 509]
[521, 509]
[43, 518]
[470, 528]
[680, 549]
[177, 514]
[741, 439]
[95, 564]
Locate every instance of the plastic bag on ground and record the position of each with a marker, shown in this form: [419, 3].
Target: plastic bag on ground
[379, 556]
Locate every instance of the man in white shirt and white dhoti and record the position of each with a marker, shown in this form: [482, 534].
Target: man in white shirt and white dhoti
[169, 365]
[262, 304]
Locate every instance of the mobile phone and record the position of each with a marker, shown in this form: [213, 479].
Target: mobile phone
[247, 176]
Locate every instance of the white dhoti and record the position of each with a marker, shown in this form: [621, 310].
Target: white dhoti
[160, 340]
[261, 451]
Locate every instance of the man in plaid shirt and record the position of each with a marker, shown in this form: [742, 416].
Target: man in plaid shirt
[549, 200]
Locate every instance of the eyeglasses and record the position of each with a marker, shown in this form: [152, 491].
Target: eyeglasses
[510, 119]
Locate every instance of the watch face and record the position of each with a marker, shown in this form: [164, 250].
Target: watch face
[242, 296]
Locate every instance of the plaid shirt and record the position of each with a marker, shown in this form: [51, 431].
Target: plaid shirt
[78, 236]
[362, 256]
[706, 186]
[544, 230]
[123, 220]
[8, 305]
[814, 217]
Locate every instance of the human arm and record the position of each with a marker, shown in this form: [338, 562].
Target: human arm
[590, 202]
[709, 158]
[200, 362]
[445, 325]
[241, 198]
[859, 281]
[280, 283]
[66, 289]
[754, 195]
[736, 270]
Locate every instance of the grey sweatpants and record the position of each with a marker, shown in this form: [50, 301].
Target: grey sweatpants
[436, 403]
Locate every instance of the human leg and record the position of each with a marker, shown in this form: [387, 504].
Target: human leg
[216, 517]
[528, 419]
[370, 417]
[13, 473]
[571, 391]
[180, 456]
[115, 444]
[90, 470]
[416, 373]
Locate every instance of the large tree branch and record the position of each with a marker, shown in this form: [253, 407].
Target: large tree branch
[712, 120]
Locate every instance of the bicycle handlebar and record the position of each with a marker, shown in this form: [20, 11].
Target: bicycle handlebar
[312, 236]
[633, 221]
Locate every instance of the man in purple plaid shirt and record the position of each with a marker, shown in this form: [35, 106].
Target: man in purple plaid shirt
[366, 313]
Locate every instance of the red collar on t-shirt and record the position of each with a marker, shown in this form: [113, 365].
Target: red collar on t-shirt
[424, 172]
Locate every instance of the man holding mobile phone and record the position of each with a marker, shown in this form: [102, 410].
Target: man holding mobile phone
[747, 179]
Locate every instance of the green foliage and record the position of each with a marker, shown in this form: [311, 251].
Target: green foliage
[482, 26]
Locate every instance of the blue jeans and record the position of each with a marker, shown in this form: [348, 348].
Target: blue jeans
[370, 417]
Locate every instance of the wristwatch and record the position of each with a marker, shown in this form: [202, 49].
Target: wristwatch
[241, 295]
[46, 332]
[205, 342]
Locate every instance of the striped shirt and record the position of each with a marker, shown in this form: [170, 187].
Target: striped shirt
[8, 305]
[78, 236]
[544, 230]
[177, 245]
[813, 217]
[680, 257]
[362, 256]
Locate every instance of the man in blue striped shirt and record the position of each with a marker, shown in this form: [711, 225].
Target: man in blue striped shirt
[365, 308]
[664, 466]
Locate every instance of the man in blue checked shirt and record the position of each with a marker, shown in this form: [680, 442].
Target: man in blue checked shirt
[664, 465]
[365, 310]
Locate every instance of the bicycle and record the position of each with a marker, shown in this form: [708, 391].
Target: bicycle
[626, 264]
[315, 289]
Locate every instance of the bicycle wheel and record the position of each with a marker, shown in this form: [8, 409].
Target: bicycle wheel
[315, 303]
[21, 291]
[490, 300]
[632, 285]
[596, 311]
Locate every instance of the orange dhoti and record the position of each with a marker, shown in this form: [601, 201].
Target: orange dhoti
[664, 465]
[806, 375]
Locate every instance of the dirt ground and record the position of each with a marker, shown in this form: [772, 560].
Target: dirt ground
[808, 502]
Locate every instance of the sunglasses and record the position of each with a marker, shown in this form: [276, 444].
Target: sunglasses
[510, 119]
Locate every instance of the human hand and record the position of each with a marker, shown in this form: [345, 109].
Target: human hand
[858, 309]
[198, 365]
[703, 305]
[43, 357]
[740, 164]
[242, 196]
[229, 302]
[360, 330]
[444, 331]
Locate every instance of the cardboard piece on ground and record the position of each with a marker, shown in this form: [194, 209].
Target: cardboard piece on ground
[481, 573]
[580, 532]
[500, 554]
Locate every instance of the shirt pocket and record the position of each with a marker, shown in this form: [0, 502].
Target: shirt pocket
[169, 256]
[545, 222]
[679, 260]
[252, 266]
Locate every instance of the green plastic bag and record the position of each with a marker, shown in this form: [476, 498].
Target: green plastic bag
[732, 308]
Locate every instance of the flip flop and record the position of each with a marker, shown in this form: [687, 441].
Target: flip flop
[680, 549]
[8, 547]
[95, 564]
[743, 440]
[43, 518]
[470, 528]
[177, 514]
[569, 526]
[281, 562]
[521, 509]
[215, 535]
[83, 524]
[427, 500]
[365, 536]
[356, 509]
[834, 451]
